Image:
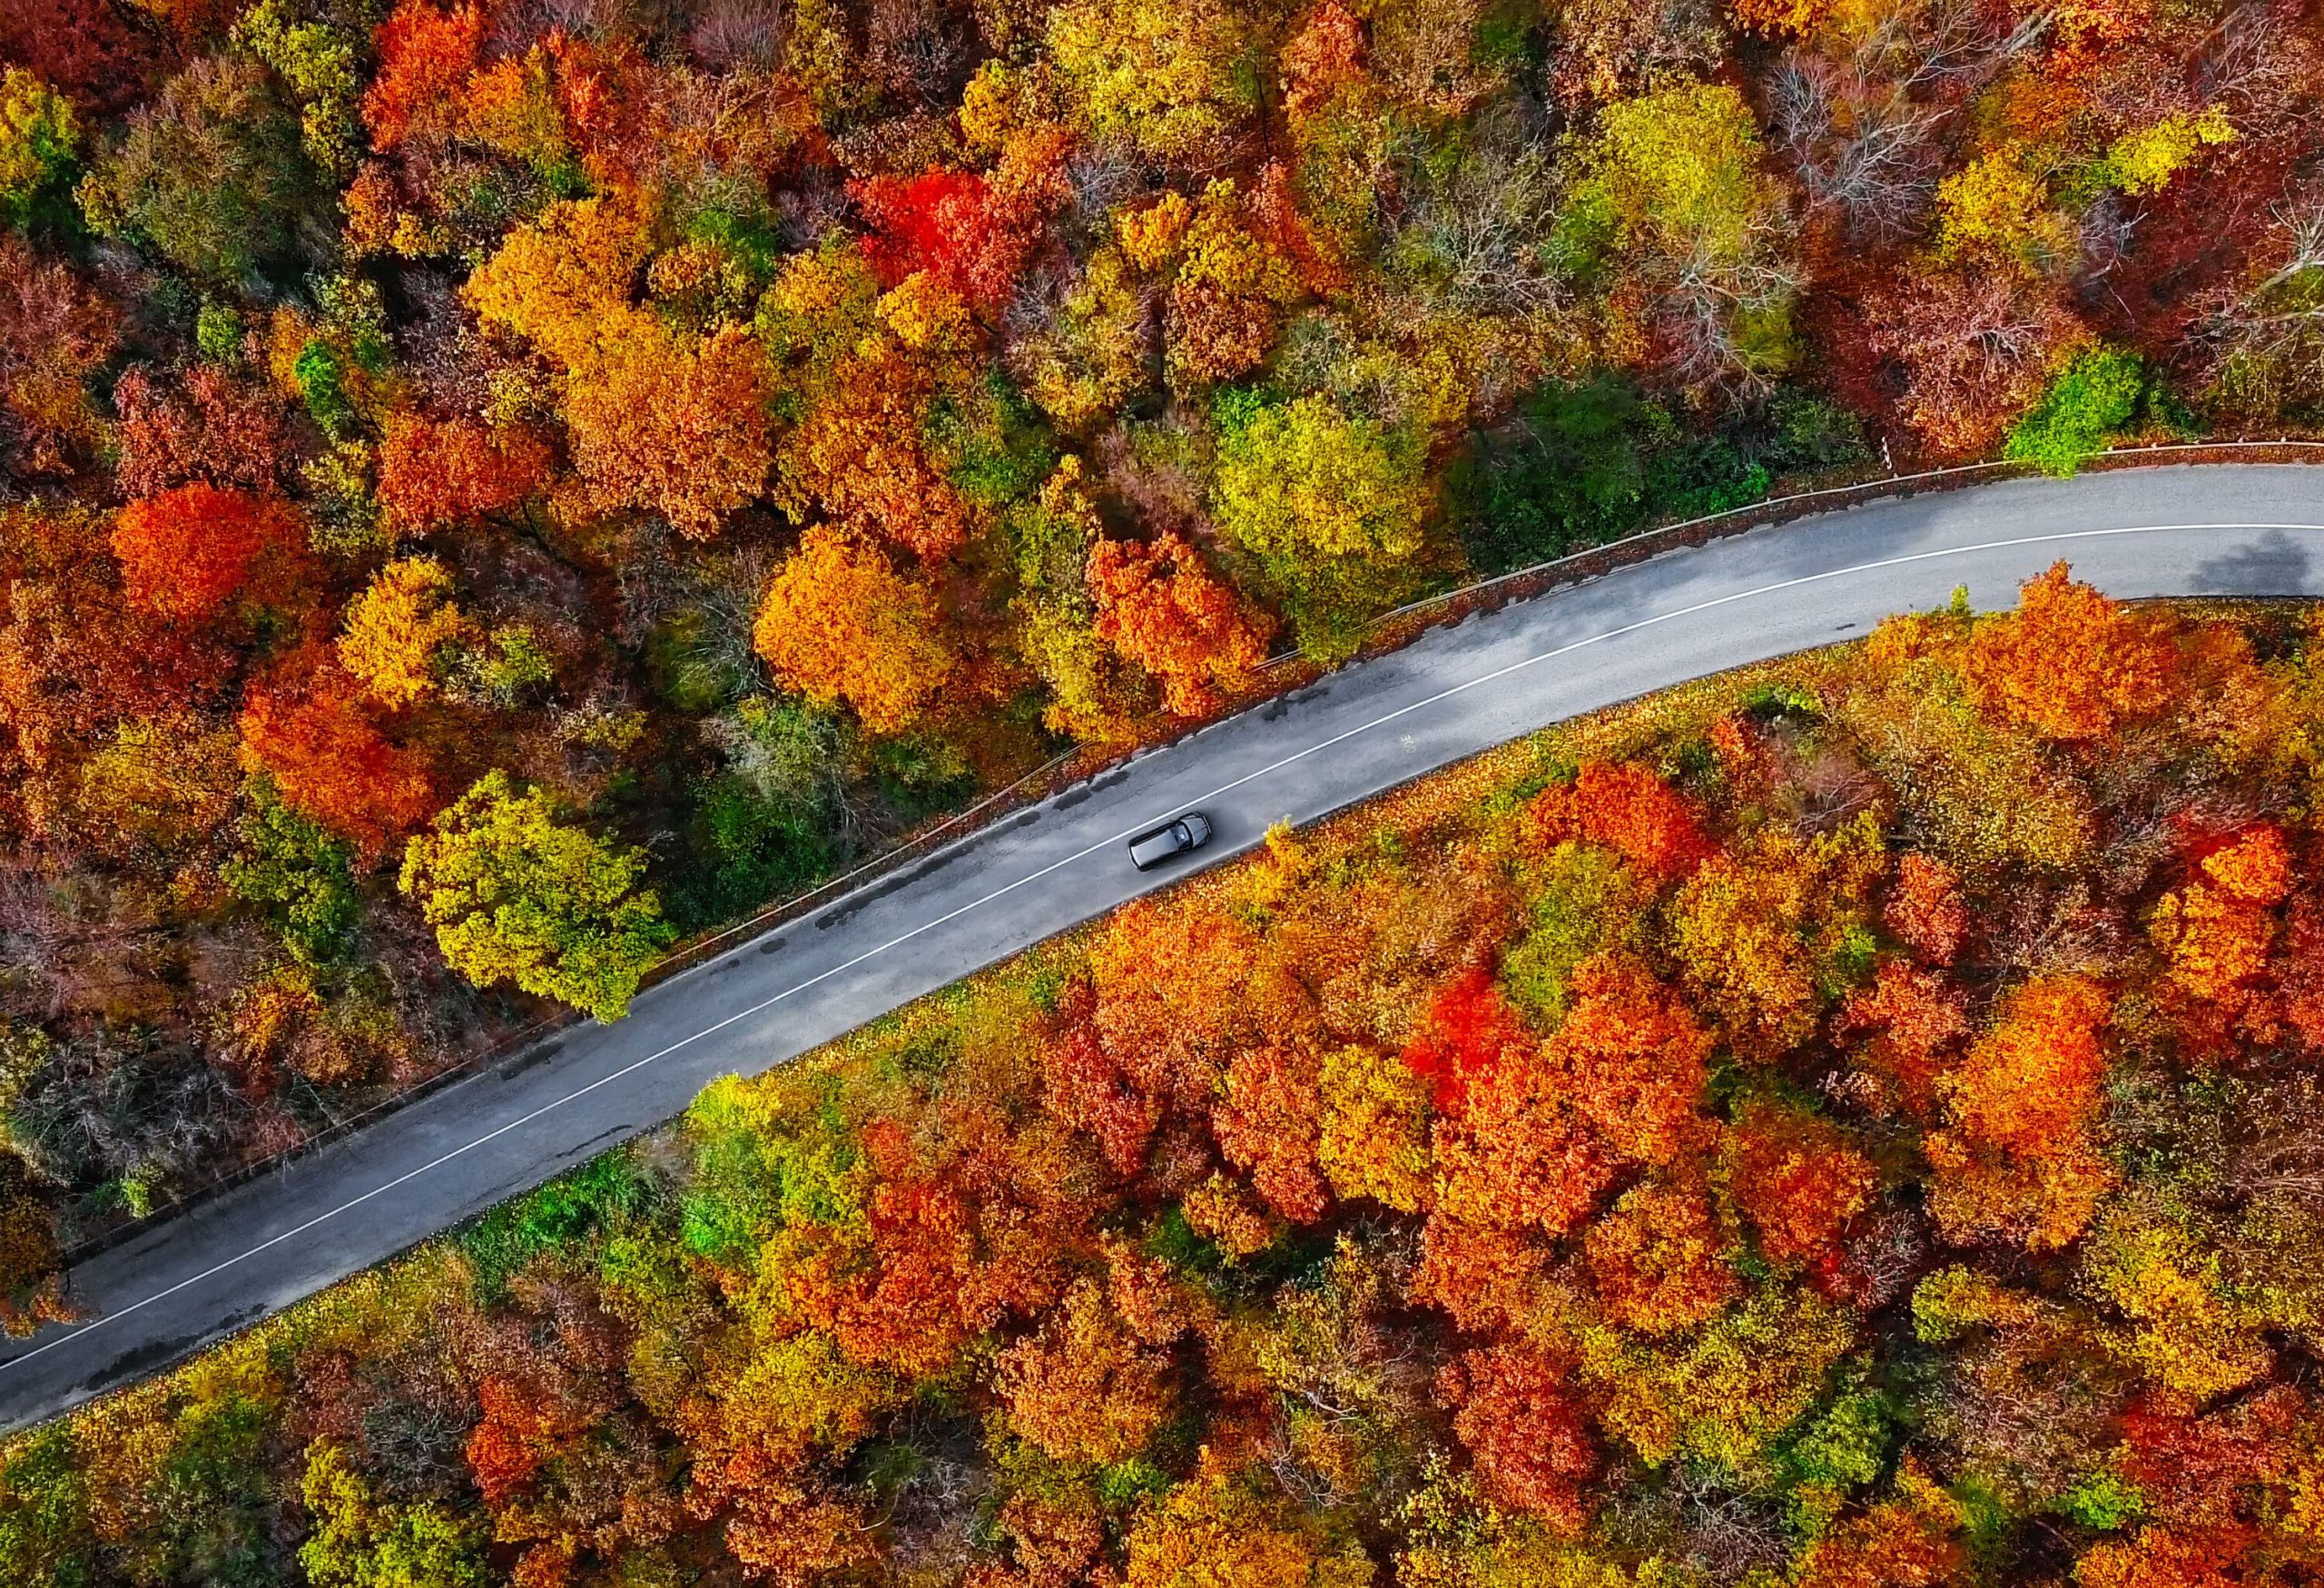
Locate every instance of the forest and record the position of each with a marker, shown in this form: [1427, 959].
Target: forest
[492, 490]
[1851, 1124]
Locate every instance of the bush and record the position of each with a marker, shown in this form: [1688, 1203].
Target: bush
[1591, 461]
[2090, 404]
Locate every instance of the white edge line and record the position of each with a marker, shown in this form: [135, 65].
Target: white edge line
[760, 1008]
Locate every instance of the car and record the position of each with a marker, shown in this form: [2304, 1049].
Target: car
[1149, 850]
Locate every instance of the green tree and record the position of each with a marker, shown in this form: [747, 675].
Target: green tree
[2092, 401]
[1572, 474]
[516, 895]
[212, 174]
[1333, 507]
[300, 873]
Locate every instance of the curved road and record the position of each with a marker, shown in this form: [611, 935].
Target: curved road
[2249, 530]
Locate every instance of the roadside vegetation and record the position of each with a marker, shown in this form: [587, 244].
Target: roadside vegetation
[1850, 1124]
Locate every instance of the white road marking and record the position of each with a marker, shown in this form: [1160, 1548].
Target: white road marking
[1122, 837]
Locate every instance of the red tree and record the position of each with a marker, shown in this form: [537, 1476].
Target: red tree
[1633, 1061]
[1799, 1182]
[434, 474]
[1268, 1122]
[1463, 1036]
[188, 552]
[308, 729]
[1530, 1439]
[202, 426]
[1925, 908]
[1627, 809]
[425, 56]
[1159, 605]
[952, 224]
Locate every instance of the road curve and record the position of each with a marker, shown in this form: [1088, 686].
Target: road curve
[2234, 530]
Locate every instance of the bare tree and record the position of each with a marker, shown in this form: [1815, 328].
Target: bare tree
[1861, 130]
[1476, 233]
[2267, 337]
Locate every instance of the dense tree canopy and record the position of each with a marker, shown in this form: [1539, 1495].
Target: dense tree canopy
[736, 433]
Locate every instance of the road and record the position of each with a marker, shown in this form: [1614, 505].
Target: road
[2249, 530]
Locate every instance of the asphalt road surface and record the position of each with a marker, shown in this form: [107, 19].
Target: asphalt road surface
[2250, 530]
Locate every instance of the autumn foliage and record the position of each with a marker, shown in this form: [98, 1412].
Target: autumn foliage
[492, 490]
[188, 552]
[1680, 1131]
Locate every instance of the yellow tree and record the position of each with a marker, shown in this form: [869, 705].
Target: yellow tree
[1163, 76]
[398, 629]
[1698, 230]
[1334, 509]
[516, 894]
[839, 622]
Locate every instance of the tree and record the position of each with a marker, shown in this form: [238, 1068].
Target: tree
[1996, 213]
[55, 336]
[1333, 509]
[1655, 1258]
[1464, 1035]
[1673, 187]
[400, 630]
[839, 624]
[39, 138]
[2069, 664]
[676, 427]
[1268, 1121]
[1633, 1061]
[516, 895]
[1975, 347]
[203, 427]
[1631, 811]
[1799, 1182]
[862, 452]
[186, 553]
[1092, 355]
[1527, 1434]
[84, 47]
[1159, 605]
[425, 56]
[1924, 907]
[2090, 401]
[1915, 1016]
[1083, 1388]
[433, 475]
[563, 281]
[1214, 1530]
[359, 1543]
[212, 174]
[1518, 1154]
[305, 727]
[44, 1510]
[1163, 77]
[1375, 1138]
[2218, 929]
[300, 873]
[955, 226]
[1229, 285]
[2015, 1161]
[1905, 1542]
